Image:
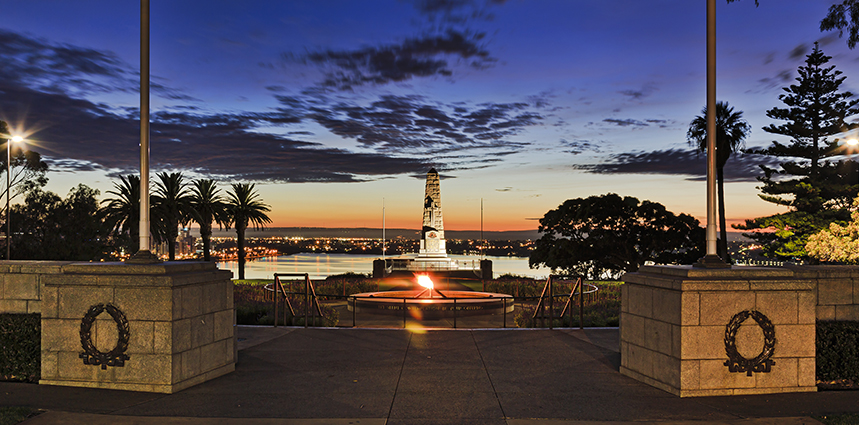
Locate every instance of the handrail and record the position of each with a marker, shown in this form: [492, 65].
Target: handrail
[540, 311]
[310, 297]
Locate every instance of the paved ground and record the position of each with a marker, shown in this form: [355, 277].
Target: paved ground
[366, 376]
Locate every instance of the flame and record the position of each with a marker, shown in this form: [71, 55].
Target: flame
[425, 281]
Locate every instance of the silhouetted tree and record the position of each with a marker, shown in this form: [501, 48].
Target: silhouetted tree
[610, 235]
[171, 206]
[245, 208]
[731, 131]
[211, 208]
[49, 228]
[122, 213]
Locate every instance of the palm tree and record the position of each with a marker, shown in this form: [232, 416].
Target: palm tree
[210, 207]
[245, 208]
[122, 213]
[171, 206]
[731, 132]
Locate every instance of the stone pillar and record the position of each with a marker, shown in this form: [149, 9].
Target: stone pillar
[703, 332]
[378, 268]
[155, 328]
[486, 269]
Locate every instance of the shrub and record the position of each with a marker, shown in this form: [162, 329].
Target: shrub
[20, 347]
[837, 350]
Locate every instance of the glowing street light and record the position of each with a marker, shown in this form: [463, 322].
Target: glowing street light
[14, 139]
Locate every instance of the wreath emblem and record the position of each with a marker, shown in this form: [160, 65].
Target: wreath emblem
[762, 362]
[92, 355]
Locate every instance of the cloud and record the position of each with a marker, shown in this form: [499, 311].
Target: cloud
[456, 11]
[427, 56]
[780, 79]
[578, 146]
[77, 71]
[625, 122]
[413, 125]
[637, 94]
[689, 163]
[798, 52]
[396, 134]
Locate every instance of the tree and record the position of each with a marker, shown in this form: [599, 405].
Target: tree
[820, 191]
[122, 213]
[731, 131]
[171, 206]
[210, 208]
[608, 235]
[51, 228]
[244, 207]
[837, 243]
[837, 19]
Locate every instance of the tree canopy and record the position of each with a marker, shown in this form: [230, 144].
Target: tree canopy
[605, 236]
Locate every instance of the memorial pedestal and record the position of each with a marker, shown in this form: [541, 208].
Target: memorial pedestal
[155, 328]
[703, 332]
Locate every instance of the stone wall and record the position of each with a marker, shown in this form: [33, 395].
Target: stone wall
[836, 292]
[21, 284]
[674, 323]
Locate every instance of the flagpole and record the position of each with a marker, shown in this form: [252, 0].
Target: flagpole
[144, 255]
[711, 259]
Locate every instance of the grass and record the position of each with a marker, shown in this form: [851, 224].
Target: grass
[841, 419]
[10, 415]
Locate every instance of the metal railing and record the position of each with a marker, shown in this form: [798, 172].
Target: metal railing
[309, 297]
[548, 297]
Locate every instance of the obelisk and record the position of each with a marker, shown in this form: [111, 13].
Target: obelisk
[432, 234]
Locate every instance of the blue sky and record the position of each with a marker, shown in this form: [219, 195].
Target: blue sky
[333, 106]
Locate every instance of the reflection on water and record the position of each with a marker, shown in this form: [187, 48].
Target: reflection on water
[320, 266]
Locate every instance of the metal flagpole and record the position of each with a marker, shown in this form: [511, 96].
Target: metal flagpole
[143, 255]
[383, 229]
[711, 259]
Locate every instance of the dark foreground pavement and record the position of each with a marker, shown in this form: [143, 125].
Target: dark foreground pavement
[365, 376]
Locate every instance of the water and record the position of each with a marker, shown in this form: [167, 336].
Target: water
[320, 266]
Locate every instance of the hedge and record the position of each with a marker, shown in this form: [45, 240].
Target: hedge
[837, 350]
[20, 347]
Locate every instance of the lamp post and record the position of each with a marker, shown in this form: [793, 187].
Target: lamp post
[15, 139]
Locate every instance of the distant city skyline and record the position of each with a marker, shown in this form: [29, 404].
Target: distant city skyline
[337, 109]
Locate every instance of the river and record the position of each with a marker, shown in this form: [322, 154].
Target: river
[320, 266]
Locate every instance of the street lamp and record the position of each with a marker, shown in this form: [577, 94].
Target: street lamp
[14, 139]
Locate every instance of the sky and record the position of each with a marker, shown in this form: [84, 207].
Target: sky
[336, 109]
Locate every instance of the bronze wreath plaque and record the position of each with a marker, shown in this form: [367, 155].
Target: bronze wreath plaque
[116, 356]
[762, 362]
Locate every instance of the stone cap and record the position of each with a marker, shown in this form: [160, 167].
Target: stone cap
[120, 268]
[688, 278]
[33, 267]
